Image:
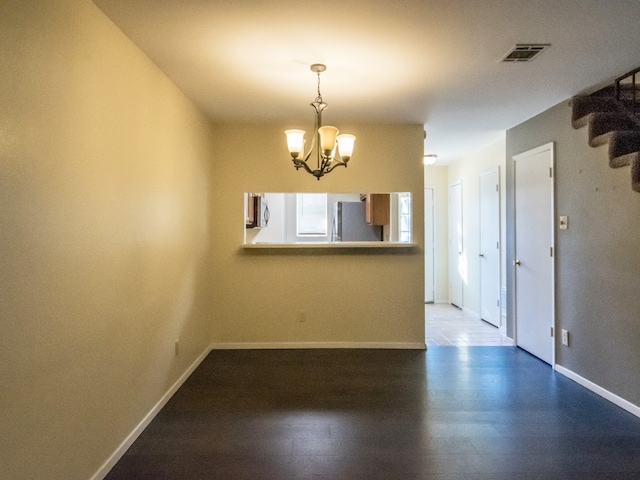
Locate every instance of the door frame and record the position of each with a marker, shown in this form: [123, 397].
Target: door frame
[460, 254]
[432, 253]
[493, 170]
[552, 234]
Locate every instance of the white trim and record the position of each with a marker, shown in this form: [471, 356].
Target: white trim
[128, 441]
[434, 236]
[606, 394]
[329, 245]
[491, 171]
[503, 325]
[310, 345]
[437, 247]
[547, 147]
[450, 268]
[534, 151]
[471, 313]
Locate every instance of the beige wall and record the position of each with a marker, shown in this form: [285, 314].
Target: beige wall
[350, 298]
[104, 238]
[437, 177]
[119, 238]
[468, 170]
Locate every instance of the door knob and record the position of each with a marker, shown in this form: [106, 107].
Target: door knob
[481, 255]
[517, 262]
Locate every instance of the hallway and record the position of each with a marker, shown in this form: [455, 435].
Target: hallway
[447, 325]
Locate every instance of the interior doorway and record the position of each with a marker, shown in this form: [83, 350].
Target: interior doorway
[457, 264]
[534, 250]
[489, 252]
[429, 245]
[449, 326]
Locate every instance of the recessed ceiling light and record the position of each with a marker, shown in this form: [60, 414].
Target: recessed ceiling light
[430, 159]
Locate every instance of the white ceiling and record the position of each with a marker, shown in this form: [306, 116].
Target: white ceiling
[434, 62]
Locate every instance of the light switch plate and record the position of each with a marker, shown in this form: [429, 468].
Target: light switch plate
[564, 222]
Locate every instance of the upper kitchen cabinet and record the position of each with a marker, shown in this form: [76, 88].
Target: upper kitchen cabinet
[256, 211]
[378, 208]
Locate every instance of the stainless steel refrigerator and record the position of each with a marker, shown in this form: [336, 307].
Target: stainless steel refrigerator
[349, 224]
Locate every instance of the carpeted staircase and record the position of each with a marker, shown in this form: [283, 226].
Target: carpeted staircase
[612, 119]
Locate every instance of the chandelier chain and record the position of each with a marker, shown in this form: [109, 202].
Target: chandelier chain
[319, 97]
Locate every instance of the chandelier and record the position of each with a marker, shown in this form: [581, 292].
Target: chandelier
[332, 150]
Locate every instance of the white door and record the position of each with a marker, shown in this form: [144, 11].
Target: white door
[429, 245]
[533, 264]
[457, 264]
[490, 246]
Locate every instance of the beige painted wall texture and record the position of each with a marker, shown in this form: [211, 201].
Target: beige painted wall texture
[468, 170]
[104, 237]
[357, 297]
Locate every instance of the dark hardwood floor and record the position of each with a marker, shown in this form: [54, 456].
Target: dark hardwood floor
[449, 413]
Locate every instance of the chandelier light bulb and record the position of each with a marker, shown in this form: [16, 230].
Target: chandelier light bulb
[328, 136]
[295, 142]
[345, 146]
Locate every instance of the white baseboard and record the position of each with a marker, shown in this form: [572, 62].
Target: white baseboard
[613, 398]
[124, 446]
[310, 345]
[471, 313]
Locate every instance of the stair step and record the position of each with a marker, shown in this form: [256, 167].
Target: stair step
[629, 86]
[623, 143]
[602, 125]
[615, 121]
[629, 105]
[628, 95]
[608, 91]
[622, 160]
[635, 173]
[583, 106]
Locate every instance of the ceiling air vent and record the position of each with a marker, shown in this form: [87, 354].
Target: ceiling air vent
[524, 52]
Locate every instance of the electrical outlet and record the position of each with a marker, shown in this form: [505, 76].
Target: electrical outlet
[177, 347]
[303, 316]
[565, 337]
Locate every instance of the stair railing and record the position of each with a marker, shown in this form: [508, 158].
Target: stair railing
[622, 85]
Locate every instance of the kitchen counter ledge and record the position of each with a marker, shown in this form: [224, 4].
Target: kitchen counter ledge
[330, 245]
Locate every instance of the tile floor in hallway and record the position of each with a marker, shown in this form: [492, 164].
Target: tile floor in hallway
[447, 325]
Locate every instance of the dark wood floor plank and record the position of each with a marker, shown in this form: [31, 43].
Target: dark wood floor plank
[446, 414]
